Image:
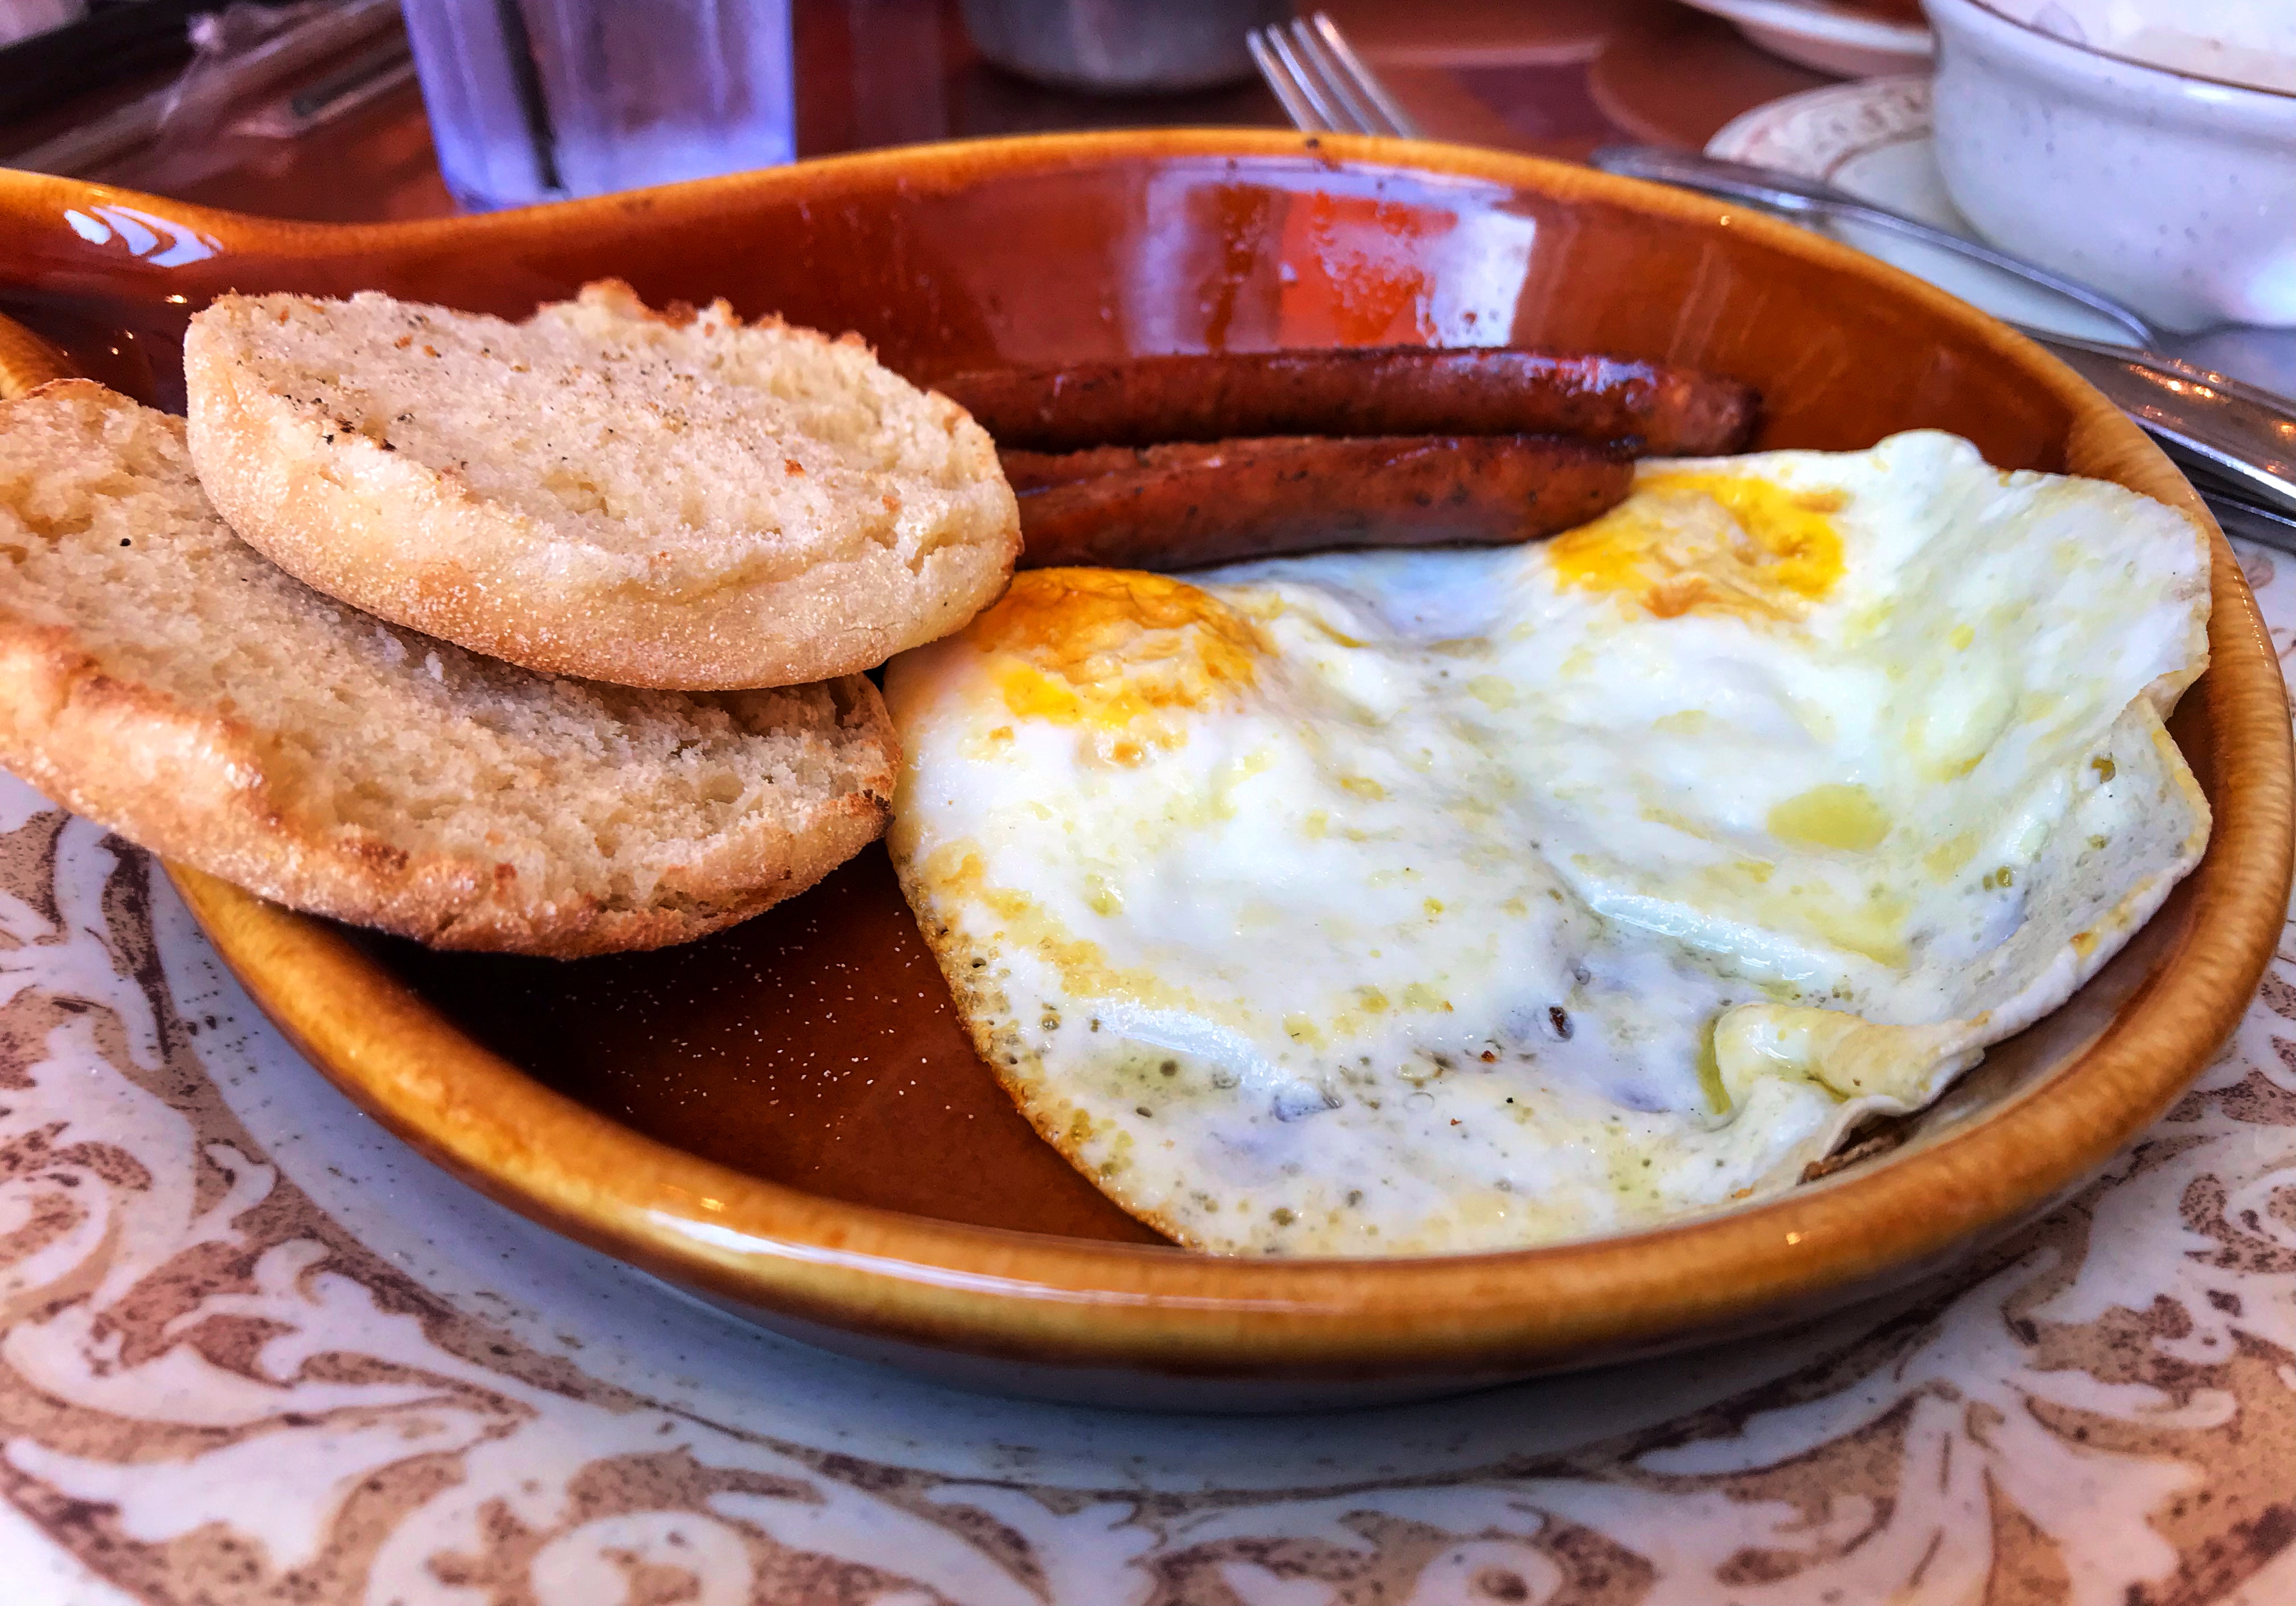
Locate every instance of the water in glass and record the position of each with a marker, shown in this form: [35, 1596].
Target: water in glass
[539, 100]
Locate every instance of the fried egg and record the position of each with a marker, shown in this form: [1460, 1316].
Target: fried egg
[1427, 901]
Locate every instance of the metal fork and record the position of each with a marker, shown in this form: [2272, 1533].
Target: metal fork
[1326, 88]
[1323, 84]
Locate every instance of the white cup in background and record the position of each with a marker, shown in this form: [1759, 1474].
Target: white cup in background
[2176, 192]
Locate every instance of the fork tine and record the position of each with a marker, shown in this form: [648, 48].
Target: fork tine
[1329, 113]
[1359, 115]
[1278, 76]
[1362, 78]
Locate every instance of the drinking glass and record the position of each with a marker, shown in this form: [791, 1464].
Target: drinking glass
[540, 99]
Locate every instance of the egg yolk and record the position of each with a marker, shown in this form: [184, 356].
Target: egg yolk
[1709, 542]
[1848, 817]
[1104, 647]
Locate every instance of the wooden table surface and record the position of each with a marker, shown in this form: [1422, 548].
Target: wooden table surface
[1554, 76]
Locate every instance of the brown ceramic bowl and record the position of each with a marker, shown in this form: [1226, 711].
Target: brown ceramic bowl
[786, 1120]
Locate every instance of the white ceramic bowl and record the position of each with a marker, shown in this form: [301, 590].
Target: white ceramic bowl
[2174, 191]
[1814, 34]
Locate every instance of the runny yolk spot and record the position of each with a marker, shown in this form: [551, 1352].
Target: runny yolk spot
[1947, 859]
[1848, 817]
[1875, 927]
[1101, 647]
[1712, 543]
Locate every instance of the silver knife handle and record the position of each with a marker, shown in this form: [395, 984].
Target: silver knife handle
[2202, 419]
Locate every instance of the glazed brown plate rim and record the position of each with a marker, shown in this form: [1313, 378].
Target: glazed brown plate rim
[995, 1291]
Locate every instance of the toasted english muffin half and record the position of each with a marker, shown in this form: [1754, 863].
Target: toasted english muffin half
[161, 677]
[681, 501]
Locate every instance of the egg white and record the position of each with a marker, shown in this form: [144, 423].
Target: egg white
[1416, 902]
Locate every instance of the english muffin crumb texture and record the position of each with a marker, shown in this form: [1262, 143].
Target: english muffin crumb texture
[158, 674]
[660, 501]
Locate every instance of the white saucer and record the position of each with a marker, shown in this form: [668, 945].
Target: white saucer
[1872, 140]
[1825, 37]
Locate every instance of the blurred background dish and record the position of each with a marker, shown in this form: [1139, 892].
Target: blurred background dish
[26, 19]
[1120, 46]
[1860, 39]
[2176, 193]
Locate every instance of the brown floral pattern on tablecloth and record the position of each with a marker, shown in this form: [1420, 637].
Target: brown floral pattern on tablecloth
[2104, 1411]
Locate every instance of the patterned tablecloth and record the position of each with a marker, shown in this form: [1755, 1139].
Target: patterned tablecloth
[251, 1349]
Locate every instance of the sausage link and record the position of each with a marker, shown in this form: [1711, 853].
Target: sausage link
[1026, 472]
[1188, 506]
[1356, 391]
